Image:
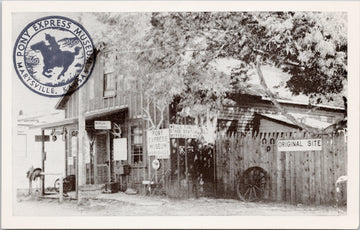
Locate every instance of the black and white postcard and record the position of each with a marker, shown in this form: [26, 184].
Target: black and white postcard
[180, 114]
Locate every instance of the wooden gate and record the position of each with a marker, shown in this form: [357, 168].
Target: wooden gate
[297, 176]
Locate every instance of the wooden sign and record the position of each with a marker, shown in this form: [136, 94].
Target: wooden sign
[299, 145]
[39, 138]
[102, 125]
[184, 131]
[158, 143]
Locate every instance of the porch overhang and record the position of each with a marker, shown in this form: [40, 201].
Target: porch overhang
[88, 116]
[56, 124]
[105, 112]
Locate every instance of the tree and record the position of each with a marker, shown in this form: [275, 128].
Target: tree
[311, 46]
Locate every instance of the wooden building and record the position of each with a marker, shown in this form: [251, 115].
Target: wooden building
[106, 97]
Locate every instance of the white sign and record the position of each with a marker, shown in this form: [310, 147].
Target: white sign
[299, 145]
[184, 131]
[102, 124]
[120, 149]
[158, 142]
[74, 146]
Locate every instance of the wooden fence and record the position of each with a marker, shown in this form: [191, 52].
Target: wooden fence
[306, 177]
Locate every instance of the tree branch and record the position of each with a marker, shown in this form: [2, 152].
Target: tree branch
[161, 109]
[277, 104]
[148, 116]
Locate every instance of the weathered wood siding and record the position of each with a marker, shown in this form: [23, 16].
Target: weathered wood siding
[244, 112]
[297, 177]
[95, 99]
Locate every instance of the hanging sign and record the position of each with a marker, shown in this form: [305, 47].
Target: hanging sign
[102, 124]
[184, 131]
[299, 145]
[40, 138]
[158, 143]
[74, 146]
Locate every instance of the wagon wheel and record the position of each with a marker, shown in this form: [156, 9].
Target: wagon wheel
[252, 185]
[57, 185]
[66, 185]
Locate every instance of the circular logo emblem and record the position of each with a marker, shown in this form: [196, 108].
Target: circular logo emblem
[54, 56]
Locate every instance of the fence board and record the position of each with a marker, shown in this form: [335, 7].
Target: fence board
[306, 177]
[332, 170]
[322, 174]
[283, 181]
[278, 176]
[342, 155]
[288, 177]
[325, 170]
[337, 158]
[232, 164]
[271, 174]
[293, 178]
[318, 188]
[312, 176]
[266, 164]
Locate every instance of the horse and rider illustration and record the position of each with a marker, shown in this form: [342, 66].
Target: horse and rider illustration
[53, 56]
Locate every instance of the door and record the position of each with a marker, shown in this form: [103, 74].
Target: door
[102, 147]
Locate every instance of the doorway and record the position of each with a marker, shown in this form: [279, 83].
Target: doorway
[102, 156]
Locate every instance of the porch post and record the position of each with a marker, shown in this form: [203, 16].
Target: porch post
[43, 157]
[81, 180]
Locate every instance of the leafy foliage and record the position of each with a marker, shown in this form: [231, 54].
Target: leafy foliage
[176, 54]
[311, 46]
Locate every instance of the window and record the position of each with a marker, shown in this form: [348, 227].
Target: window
[109, 85]
[136, 145]
[109, 77]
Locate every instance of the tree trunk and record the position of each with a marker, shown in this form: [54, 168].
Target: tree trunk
[278, 105]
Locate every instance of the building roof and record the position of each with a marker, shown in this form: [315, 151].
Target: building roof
[35, 120]
[311, 122]
[285, 101]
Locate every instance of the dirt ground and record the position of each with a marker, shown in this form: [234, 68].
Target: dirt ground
[121, 204]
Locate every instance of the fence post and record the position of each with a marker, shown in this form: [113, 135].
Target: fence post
[61, 193]
[30, 186]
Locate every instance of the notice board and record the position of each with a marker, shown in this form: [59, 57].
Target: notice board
[158, 143]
